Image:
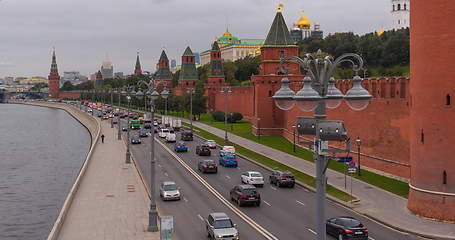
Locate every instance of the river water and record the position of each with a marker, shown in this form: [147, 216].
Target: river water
[41, 153]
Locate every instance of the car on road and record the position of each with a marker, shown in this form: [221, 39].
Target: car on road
[135, 139]
[220, 226]
[245, 194]
[207, 165]
[100, 115]
[124, 129]
[143, 133]
[345, 228]
[105, 117]
[210, 143]
[180, 147]
[253, 178]
[229, 160]
[89, 110]
[114, 121]
[227, 150]
[169, 191]
[186, 136]
[163, 132]
[203, 150]
[147, 125]
[282, 178]
[171, 137]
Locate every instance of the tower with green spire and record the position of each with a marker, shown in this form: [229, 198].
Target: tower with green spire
[137, 68]
[54, 78]
[188, 72]
[164, 73]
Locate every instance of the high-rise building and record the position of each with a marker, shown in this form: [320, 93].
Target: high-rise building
[173, 63]
[197, 58]
[107, 69]
[400, 13]
[118, 75]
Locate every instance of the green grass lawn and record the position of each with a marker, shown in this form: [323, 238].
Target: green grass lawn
[243, 129]
[275, 165]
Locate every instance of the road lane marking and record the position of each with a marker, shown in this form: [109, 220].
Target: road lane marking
[267, 203]
[200, 217]
[273, 188]
[159, 165]
[228, 177]
[313, 232]
[165, 174]
[184, 199]
[371, 238]
[301, 203]
[220, 197]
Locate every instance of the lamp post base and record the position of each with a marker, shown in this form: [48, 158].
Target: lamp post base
[128, 158]
[153, 216]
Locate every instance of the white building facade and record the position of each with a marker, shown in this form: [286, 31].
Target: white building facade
[400, 14]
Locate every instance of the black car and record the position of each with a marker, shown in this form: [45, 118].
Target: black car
[203, 150]
[346, 228]
[147, 125]
[143, 133]
[100, 115]
[187, 136]
[207, 166]
[135, 139]
[124, 129]
[245, 194]
[282, 178]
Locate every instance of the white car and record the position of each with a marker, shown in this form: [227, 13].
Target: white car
[170, 137]
[227, 149]
[210, 143]
[163, 132]
[253, 178]
[169, 191]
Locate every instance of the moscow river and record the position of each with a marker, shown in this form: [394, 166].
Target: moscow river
[41, 153]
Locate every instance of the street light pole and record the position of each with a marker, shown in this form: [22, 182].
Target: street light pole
[259, 129]
[358, 142]
[119, 123]
[112, 105]
[293, 133]
[318, 93]
[191, 91]
[225, 90]
[151, 86]
[128, 154]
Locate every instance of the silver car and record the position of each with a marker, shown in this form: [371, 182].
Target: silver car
[169, 191]
[220, 226]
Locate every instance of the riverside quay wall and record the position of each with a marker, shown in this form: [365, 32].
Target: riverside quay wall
[383, 126]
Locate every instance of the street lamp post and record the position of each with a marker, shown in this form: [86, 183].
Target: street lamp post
[318, 93]
[112, 105]
[119, 123]
[259, 129]
[128, 91]
[358, 142]
[153, 93]
[191, 91]
[225, 90]
[293, 133]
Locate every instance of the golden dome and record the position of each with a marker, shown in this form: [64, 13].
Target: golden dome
[303, 22]
[227, 33]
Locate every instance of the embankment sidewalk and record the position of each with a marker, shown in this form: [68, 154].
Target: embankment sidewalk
[375, 203]
[109, 200]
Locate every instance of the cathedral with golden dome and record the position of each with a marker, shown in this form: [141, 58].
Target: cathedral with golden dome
[302, 29]
[232, 48]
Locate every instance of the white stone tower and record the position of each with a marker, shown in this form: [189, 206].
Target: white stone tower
[400, 13]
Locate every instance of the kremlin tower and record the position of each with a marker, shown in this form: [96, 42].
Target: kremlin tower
[137, 69]
[164, 73]
[216, 76]
[54, 78]
[432, 132]
[188, 72]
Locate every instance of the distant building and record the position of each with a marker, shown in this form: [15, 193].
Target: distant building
[400, 13]
[9, 80]
[197, 58]
[302, 29]
[118, 75]
[74, 77]
[232, 48]
[107, 69]
[173, 63]
[32, 80]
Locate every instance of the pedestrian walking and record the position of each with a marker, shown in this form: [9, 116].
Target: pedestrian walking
[102, 138]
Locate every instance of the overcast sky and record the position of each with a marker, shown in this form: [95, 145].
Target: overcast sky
[84, 31]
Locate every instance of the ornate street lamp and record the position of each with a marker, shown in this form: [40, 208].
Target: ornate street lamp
[128, 91]
[225, 90]
[318, 93]
[154, 95]
[191, 91]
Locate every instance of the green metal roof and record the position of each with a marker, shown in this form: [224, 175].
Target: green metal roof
[164, 56]
[279, 33]
[188, 52]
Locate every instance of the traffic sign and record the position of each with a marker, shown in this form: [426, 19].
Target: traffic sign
[352, 170]
[344, 159]
[351, 164]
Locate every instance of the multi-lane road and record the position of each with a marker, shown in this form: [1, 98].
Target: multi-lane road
[284, 213]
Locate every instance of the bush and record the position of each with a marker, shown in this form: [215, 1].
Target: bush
[234, 117]
[218, 116]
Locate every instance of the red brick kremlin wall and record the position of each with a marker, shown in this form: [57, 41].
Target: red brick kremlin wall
[383, 127]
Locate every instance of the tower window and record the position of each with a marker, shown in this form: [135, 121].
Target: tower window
[399, 7]
[398, 22]
[393, 7]
[444, 177]
[270, 93]
[404, 6]
[448, 100]
[422, 137]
